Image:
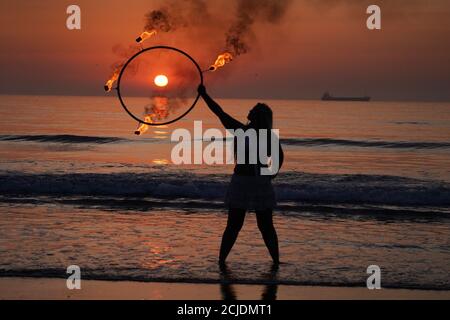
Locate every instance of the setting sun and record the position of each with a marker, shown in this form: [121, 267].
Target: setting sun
[161, 80]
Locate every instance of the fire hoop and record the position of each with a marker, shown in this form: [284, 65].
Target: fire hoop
[160, 81]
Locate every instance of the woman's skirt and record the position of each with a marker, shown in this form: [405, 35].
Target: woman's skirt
[251, 193]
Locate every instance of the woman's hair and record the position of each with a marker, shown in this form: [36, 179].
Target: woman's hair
[261, 117]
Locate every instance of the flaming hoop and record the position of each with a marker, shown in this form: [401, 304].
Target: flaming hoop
[161, 82]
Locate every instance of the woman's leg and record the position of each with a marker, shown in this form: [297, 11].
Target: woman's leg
[265, 225]
[234, 224]
[226, 287]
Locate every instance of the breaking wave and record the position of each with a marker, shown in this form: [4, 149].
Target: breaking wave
[292, 187]
[301, 142]
[61, 138]
[366, 143]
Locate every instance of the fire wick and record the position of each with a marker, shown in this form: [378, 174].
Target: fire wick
[209, 69]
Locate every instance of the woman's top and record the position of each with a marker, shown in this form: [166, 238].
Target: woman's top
[247, 168]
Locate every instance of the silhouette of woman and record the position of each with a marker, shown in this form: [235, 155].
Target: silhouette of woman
[248, 190]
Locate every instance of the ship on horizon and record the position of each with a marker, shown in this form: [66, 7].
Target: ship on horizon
[328, 97]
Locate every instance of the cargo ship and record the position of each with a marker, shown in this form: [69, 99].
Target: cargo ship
[328, 97]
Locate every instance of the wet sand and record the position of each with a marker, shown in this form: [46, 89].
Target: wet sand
[55, 289]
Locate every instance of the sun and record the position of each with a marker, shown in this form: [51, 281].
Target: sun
[161, 80]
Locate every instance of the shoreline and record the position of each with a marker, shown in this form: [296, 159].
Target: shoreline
[26, 288]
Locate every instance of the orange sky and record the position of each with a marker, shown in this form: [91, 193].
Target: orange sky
[318, 46]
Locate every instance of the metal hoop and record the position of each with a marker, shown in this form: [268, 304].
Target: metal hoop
[137, 54]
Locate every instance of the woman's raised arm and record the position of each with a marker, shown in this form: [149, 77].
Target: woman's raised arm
[228, 121]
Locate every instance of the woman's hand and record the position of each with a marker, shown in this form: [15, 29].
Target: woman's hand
[202, 90]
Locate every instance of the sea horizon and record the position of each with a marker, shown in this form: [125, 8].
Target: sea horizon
[114, 95]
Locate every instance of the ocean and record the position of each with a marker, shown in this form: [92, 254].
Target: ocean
[362, 184]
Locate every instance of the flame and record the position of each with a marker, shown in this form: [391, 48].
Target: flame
[142, 126]
[145, 35]
[221, 60]
[110, 82]
[158, 110]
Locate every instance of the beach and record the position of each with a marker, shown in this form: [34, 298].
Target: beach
[55, 289]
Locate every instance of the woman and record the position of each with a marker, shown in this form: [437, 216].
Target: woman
[248, 190]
